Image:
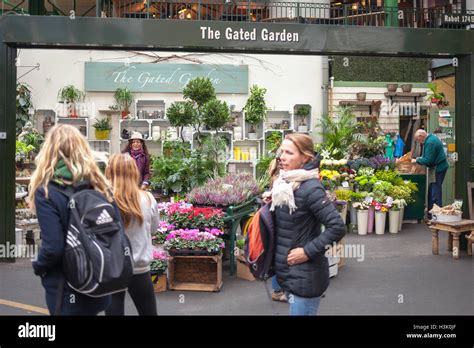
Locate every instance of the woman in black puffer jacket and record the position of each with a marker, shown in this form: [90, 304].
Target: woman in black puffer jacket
[301, 207]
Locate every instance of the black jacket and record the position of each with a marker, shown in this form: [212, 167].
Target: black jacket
[303, 229]
[53, 218]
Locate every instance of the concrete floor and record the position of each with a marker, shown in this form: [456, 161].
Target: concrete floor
[398, 276]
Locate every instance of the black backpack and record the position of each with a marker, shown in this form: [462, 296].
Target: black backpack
[98, 257]
[259, 249]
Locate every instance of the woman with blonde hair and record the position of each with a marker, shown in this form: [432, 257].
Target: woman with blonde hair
[301, 207]
[65, 159]
[140, 217]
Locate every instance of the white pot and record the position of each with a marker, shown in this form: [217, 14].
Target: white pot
[400, 222]
[302, 129]
[380, 219]
[252, 136]
[362, 218]
[393, 221]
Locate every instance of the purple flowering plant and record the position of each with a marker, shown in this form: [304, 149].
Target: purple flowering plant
[164, 228]
[160, 261]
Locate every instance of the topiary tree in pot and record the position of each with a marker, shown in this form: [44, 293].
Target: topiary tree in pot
[255, 109]
[181, 114]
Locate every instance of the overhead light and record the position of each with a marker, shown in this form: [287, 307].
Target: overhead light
[182, 10]
[188, 16]
[355, 6]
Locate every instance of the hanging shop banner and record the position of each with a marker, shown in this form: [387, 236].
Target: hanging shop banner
[163, 78]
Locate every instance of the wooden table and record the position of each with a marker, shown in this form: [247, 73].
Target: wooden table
[454, 229]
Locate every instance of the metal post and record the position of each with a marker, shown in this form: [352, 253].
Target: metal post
[98, 8]
[7, 145]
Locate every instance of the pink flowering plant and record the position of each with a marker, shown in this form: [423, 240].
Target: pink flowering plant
[382, 207]
[159, 262]
[233, 189]
[162, 232]
[195, 239]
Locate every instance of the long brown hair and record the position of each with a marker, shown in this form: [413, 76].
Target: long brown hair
[303, 143]
[67, 143]
[122, 171]
[128, 147]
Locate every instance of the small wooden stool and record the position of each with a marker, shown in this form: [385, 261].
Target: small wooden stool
[454, 229]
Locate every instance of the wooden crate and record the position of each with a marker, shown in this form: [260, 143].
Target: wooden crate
[196, 273]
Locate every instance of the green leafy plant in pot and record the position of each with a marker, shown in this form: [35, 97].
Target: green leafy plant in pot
[23, 105]
[71, 95]
[255, 109]
[102, 128]
[303, 111]
[124, 99]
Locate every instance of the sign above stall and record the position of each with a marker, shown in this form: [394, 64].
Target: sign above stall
[458, 18]
[163, 78]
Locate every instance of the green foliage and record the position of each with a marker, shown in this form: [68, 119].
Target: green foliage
[102, 124]
[337, 131]
[303, 111]
[173, 148]
[255, 108]
[70, 94]
[199, 90]
[33, 138]
[215, 114]
[240, 243]
[22, 150]
[390, 176]
[358, 196]
[181, 114]
[123, 98]
[263, 164]
[368, 140]
[273, 142]
[23, 105]
[180, 174]
[213, 148]
[381, 69]
[343, 195]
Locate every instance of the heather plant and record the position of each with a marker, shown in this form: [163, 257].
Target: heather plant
[230, 190]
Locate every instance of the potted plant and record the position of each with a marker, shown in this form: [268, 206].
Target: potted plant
[162, 232]
[303, 111]
[24, 105]
[102, 128]
[406, 88]
[362, 207]
[255, 109]
[158, 267]
[193, 241]
[181, 114]
[436, 97]
[123, 98]
[392, 87]
[70, 95]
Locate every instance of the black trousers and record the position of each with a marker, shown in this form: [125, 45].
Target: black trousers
[142, 293]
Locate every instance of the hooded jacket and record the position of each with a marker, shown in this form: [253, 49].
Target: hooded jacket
[303, 229]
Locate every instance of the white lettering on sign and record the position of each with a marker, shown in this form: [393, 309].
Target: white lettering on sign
[240, 34]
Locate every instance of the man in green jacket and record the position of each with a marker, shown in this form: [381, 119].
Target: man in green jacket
[435, 159]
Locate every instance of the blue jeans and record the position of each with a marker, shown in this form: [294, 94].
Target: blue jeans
[303, 305]
[275, 286]
[435, 190]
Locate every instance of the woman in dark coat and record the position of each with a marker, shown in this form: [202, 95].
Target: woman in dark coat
[301, 207]
[65, 159]
[136, 148]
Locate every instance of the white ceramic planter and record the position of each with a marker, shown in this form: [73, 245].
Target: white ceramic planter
[393, 221]
[362, 218]
[253, 136]
[380, 219]
[302, 129]
[400, 223]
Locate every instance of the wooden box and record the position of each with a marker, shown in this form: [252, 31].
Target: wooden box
[197, 273]
[243, 269]
[159, 282]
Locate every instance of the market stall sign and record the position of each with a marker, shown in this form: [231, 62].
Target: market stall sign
[163, 78]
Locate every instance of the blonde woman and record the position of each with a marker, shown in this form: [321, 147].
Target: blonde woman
[140, 217]
[65, 159]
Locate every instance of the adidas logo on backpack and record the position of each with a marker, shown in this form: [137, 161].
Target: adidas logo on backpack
[103, 218]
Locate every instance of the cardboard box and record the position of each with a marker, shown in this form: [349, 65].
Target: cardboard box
[243, 270]
[160, 282]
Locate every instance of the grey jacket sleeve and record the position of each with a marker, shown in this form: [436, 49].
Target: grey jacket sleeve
[326, 213]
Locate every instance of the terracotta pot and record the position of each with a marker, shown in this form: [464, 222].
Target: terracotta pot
[361, 96]
[407, 88]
